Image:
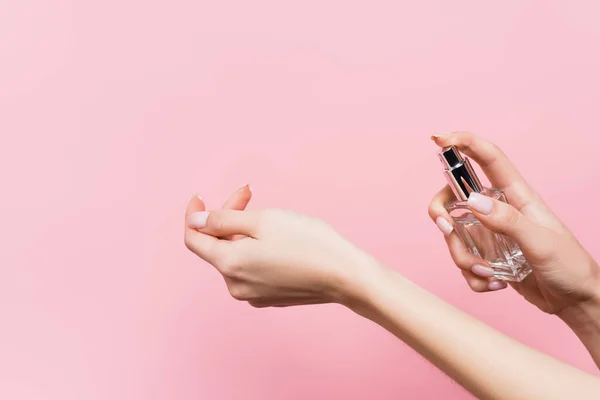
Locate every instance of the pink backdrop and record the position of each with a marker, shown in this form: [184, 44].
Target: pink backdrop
[113, 113]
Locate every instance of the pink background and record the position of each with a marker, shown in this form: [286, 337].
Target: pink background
[113, 113]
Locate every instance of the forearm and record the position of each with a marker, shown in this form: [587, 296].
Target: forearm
[484, 361]
[584, 321]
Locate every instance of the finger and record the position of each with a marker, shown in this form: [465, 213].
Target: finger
[470, 264]
[238, 201]
[462, 257]
[209, 248]
[497, 167]
[438, 213]
[476, 283]
[225, 222]
[500, 217]
[480, 285]
[195, 204]
[477, 271]
[205, 246]
[460, 254]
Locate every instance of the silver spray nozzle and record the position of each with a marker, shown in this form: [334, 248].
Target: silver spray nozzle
[459, 173]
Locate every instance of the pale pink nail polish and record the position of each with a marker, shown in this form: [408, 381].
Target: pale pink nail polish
[444, 225]
[481, 203]
[198, 220]
[497, 285]
[482, 271]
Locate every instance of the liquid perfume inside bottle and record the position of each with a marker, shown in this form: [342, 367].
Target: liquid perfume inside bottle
[501, 252]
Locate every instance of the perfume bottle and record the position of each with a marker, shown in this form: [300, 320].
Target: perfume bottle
[501, 252]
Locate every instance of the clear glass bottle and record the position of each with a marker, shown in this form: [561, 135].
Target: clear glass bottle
[501, 252]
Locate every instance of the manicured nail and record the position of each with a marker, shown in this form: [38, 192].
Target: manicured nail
[197, 220]
[444, 225]
[482, 271]
[200, 197]
[497, 285]
[248, 186]
[481, 203]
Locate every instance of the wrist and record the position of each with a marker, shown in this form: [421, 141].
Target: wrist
[584, 317]
[362, 283]
[584, 321]
[585, 314]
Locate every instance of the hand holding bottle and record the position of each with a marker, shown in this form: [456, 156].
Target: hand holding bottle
[565, 280]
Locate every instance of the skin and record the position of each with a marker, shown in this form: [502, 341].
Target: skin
[277, 258]
[565, 278]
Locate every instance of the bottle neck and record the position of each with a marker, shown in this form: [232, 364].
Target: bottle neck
[463, 180]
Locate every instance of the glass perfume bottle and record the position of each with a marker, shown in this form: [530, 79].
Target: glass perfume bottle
[501, 252]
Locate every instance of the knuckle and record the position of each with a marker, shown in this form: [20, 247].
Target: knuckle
[217, 221]
[466, 139]
[477, 288]
[234, 258]
[475, 284]
[229, 265]
[455, 253]
[458, 260]
[512, 216]
[464, 265]
[461, 257]
[505, 217]
[432, 210]
[515, 218]
[496, 149]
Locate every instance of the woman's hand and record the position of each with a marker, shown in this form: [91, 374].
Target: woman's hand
[565, 278]
[282, 258]
[564, 274]
[279, 258]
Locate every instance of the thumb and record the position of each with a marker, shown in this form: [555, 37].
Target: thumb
[195, 205]
[501, 217]
[225, 222]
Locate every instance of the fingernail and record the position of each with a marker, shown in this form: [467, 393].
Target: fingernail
[444, 225]
[497, 285]
[245, 186]
[482, 271]
[438, 135]
[197, 220]
[480, 203]
[200, 197]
